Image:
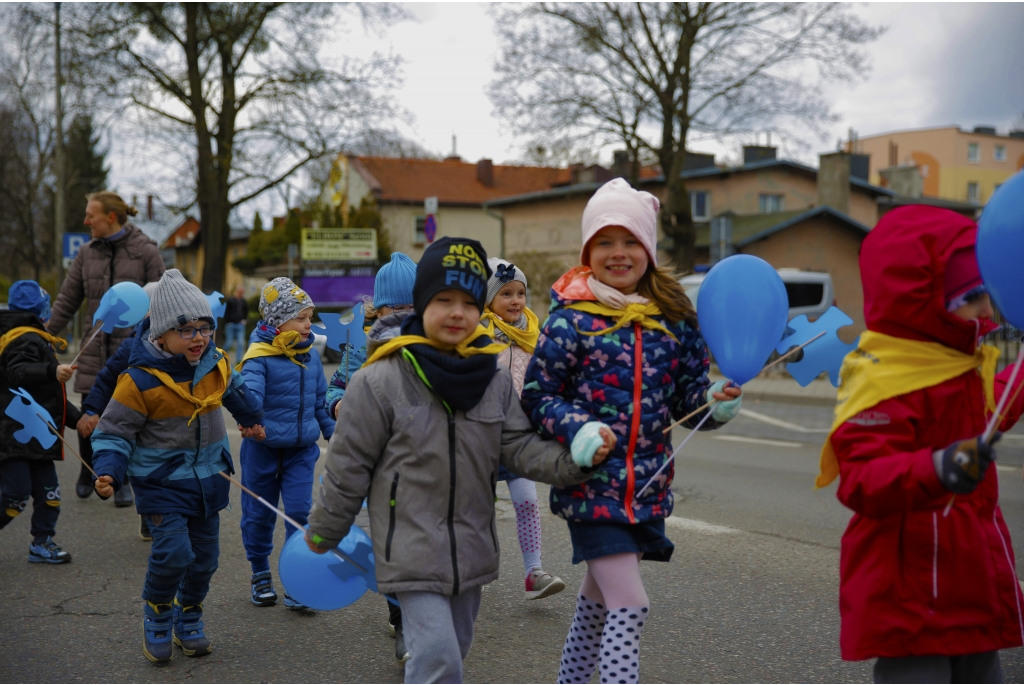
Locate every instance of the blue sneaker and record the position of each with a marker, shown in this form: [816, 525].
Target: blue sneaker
[188, 630]
[263, 593]
[293, 604]
[156, 632]
[47, 552]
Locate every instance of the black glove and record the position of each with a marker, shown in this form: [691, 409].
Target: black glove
[962, 465]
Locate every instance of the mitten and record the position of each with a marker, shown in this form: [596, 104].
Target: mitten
[588, 440]
[962, 465]
[723, 411]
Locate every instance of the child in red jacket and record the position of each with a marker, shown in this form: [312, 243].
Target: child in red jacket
[928, 583]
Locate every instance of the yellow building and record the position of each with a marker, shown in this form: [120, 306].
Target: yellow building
[954, 164]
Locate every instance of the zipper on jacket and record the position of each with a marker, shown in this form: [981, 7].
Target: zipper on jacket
[638, 350]
[494, 513]
[451, 502]
[302, 404]
[391, 518]
[935, 555]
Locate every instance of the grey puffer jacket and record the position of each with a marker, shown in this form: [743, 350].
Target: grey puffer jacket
[99, 265]
[430, 476]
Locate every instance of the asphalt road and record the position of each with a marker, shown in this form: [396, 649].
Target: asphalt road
[750, 595]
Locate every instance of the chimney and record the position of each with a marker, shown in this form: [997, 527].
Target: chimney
[149, 207]
[485, 172]
[757, 153]
[903, 180]
[834, 181]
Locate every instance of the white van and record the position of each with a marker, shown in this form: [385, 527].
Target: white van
[810, 292]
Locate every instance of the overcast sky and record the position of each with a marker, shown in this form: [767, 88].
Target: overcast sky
[937, 64]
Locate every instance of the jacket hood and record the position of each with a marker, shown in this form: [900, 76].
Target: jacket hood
[176, 366]
[384, 329]
[903, 268]
[572, 287]
[12, 319]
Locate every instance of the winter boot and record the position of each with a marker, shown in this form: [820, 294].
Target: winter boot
[124, 497]
[188, 630]
[156, 632]
[84, 486]
[144, 531]
[46, 551]
[263, 594]
[293, 603]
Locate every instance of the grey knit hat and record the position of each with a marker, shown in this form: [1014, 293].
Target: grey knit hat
[176, 302]
[282, 300]
[504, 272]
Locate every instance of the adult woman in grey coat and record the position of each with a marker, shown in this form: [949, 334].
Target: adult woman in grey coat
[118, 252]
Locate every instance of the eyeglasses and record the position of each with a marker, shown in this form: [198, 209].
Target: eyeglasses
[190, 333]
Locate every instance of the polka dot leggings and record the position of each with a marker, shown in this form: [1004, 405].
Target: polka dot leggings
[524, 500]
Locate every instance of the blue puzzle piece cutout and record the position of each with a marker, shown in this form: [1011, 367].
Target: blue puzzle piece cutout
[362, 555]
[25, 410]
[825, 353]
[339, 333]
[124, 305]
[217, 305]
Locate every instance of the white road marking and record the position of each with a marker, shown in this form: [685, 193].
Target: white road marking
[695, 526]
[758, 441]
[1006, 436]
[772, 421]
[1007, 468]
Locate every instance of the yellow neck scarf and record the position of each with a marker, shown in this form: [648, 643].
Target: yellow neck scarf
[214, 399]
[883, 367]
[526, 339]
[463, 348]
[639, 313]
[10, 336]
[284, 344]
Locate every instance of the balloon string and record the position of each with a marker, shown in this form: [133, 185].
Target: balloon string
[669, 460]
[711, 402]
[997, 416]
[286, 517]
[66, 443]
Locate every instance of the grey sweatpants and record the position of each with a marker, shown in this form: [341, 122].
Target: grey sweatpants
[983, 667]
[438, 634]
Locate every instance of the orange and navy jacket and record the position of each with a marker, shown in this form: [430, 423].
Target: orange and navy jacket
[148, 434]
[634, 380]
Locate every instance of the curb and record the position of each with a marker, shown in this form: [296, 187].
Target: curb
[782, 398]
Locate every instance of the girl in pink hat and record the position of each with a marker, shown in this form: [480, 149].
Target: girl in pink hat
[620, 346]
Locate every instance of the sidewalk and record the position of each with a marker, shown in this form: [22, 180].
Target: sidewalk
[782, 388]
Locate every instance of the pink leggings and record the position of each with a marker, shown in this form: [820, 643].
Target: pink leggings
[615, 582]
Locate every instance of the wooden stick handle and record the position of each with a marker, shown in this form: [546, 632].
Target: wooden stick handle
[66, 444]
[95, 331]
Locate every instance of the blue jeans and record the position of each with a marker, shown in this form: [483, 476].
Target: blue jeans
[273, 472]
[234, 335]
[183, 558]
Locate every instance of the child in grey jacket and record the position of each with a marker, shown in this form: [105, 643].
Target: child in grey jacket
[426, 426]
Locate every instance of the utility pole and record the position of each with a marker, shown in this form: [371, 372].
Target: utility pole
[59, 202]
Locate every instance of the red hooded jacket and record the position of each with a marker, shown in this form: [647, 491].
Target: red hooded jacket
[915, 580]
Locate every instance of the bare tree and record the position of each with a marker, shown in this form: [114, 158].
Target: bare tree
[236, 98]
[646, 75]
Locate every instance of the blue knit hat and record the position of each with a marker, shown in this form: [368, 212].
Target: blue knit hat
[393, 285]
[28, 296]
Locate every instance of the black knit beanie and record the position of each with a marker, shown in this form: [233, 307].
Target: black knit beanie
[451, 263]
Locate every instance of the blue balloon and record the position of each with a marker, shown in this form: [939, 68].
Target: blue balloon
[123, 306]
[1000, 248]
[326, 582]
[742, 309]
[217, 306]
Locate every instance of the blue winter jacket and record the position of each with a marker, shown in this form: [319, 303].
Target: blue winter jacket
[106, 380]
[148, 434]
[575, 378]
[292, 397]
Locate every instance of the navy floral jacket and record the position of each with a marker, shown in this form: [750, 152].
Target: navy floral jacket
[575, 378]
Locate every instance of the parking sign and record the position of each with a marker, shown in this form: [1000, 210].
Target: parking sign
[72, 244]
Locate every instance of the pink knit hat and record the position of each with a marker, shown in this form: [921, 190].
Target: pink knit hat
[617, 204]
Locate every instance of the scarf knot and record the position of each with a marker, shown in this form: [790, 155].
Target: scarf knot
[642, 314]
[214, 399]
[284, 345]
[523, 332]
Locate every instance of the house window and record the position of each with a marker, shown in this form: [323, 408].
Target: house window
[769, 204]
[700, 205]
[1000, 154]
[419, 235]
[973, 153]
[972, 192]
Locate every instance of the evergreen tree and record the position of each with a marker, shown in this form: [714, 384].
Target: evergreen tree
[257, 223]
[85, 169]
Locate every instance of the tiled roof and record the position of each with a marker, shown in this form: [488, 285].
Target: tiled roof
[452, 182]
[749, 228]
